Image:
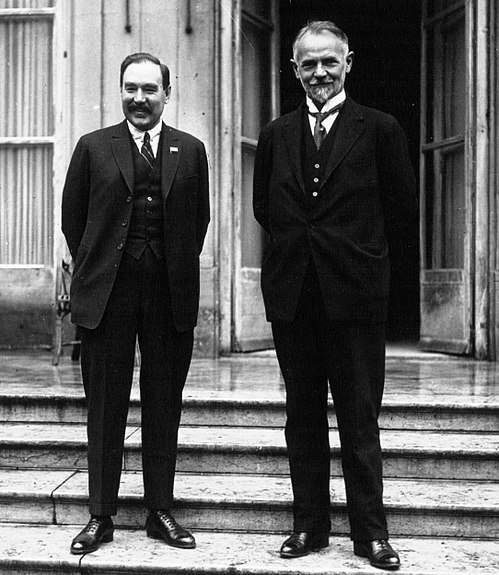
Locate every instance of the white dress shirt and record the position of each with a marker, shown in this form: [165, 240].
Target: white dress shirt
[138, 136]
[329, 121]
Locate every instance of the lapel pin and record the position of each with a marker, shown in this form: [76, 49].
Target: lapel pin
[173, 149]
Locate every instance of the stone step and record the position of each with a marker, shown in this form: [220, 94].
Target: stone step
[415, 508]
[421, 392]
[204, 449]
[252, 409]
[40, 549]
[416, 414]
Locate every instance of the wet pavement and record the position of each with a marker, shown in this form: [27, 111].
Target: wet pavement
[415, 377]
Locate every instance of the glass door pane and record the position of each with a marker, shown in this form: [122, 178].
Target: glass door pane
[445, 190]
[256, 70]
[26, 137]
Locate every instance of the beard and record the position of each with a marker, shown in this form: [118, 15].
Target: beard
[321, 92]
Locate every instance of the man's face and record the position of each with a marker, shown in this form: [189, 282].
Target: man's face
[142, 94]
[321, 63]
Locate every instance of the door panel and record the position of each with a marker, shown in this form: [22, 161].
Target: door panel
[444, 310]
[446, 200]
[27, 138]
[257, 66]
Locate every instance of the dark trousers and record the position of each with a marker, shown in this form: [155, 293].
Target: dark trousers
[312, 352]
[140, 306]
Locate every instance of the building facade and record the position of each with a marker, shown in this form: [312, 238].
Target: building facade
[433, 64]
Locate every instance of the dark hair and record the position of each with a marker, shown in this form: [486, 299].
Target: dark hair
[316, 27]
[145, 57]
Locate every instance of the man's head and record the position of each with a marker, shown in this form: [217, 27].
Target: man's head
[321, 60]
[145, 89]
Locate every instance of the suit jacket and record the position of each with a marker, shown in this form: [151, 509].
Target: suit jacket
[96, 210]
[366, 197]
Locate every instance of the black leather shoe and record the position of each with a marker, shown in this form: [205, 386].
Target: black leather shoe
[301, 543]
[98, 530]
[379, 552]
[161, 525]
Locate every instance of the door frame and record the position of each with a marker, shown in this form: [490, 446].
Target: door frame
[478, 243]
[481, 61]
[228, 168]
[225, 88]
[493, 179]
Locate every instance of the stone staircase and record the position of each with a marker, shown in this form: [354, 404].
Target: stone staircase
[440, 437]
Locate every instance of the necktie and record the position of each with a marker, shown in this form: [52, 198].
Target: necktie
[146, 149]
[319, 130]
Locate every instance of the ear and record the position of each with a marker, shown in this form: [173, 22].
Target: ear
[349, 60]
[168, 93]
[295, 68]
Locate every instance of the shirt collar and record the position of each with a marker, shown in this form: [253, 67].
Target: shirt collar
[331, 103]
[139, 134]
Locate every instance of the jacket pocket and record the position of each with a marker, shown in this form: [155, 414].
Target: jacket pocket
[378, 251]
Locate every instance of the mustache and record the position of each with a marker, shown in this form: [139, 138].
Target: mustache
[133, 107]
[327, 83]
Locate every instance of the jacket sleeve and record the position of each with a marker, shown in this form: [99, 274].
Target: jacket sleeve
[397, 181]
[203, 208]
[261, 178]
[75, 198]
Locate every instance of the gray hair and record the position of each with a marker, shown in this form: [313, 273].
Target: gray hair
[316, 27]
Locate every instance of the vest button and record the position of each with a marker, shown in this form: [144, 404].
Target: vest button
[124, 223]
[149, 198]
[316, 180]
[129, 199]
[119, 246]
[317, 166]
[315, 194]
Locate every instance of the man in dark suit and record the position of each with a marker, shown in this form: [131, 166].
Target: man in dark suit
[332, 182]
[135, 213]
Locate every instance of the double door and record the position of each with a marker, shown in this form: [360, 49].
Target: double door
[454, 222]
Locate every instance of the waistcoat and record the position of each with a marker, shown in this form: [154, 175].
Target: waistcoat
[146, 223]
[313, 160]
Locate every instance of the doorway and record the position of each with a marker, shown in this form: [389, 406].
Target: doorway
[385, 36]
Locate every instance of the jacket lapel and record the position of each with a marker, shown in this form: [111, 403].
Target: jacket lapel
[293, 143]
[350, 126]
[171, 150]
[120, 144]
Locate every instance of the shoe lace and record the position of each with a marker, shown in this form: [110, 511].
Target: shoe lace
[167, 519]
[93, 525]
[381, 546]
